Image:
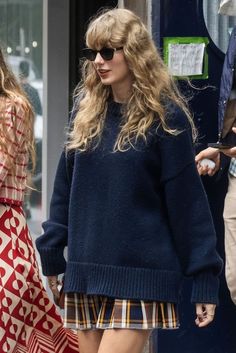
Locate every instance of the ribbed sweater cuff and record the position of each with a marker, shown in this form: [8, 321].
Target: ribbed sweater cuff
[205, 289]
[53, 261]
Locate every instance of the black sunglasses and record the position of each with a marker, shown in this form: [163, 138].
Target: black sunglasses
[106, 53]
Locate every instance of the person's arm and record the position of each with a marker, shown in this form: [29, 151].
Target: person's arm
[231, 152]
[190, 218]
[52, 243]
[12, 134]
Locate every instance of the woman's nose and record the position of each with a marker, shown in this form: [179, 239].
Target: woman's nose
[98, 58]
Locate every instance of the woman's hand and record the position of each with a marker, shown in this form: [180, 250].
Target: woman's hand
[205, 314]
[212, 154]
[53, 284]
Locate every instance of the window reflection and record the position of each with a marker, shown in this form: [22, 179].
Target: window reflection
[21, 39]
[219, 26]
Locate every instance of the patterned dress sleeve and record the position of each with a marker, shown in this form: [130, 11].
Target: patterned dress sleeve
[12, 134]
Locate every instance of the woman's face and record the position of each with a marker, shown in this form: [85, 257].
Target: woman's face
[114, 72]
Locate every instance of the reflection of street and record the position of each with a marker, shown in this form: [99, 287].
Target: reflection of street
[34, 224]
[35, 227]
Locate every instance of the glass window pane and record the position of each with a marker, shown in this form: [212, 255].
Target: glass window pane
[219, 26]
[139, 7]
[21, 40]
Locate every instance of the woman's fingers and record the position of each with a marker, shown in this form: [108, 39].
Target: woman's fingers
[205, 170]
[53, 284]
[205, 314]
[208, 161]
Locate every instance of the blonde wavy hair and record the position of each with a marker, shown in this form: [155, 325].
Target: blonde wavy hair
[153, 88]
[11, 90]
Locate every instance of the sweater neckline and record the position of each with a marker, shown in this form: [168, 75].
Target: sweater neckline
[114, 107]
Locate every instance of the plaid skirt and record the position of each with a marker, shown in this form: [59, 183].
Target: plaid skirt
[84, 312]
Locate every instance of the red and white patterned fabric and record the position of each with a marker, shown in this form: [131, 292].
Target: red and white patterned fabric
[29, 322]
[13, 120]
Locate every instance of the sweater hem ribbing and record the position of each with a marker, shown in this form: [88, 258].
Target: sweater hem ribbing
[123, 282]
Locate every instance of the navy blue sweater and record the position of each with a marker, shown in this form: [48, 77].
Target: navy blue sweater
[134, 222]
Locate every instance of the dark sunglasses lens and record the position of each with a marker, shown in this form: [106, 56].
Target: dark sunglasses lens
[107, 53]
[89, 54]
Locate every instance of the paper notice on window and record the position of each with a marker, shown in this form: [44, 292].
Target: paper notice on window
[186, 59]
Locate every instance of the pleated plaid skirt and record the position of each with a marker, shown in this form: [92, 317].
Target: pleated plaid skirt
[84, 312]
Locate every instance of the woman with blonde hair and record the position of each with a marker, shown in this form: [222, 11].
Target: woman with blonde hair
[128, 202]
[28, 319]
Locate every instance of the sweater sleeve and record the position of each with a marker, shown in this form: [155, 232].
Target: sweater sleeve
[189, 214]
[52, 242]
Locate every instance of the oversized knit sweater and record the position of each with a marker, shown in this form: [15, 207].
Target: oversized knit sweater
[135, 222]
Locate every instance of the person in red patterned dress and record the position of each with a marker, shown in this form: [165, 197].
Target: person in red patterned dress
[29, 321]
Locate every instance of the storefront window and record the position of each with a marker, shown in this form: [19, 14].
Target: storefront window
[140, 7]
[21, 40]
[219, 26]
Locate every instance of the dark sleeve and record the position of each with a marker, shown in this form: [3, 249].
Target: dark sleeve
[188, 212]
[52, 242]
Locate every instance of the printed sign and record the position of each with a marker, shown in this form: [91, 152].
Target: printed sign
[186, 56]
